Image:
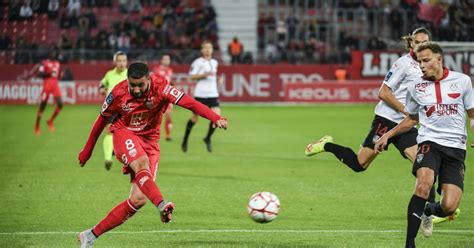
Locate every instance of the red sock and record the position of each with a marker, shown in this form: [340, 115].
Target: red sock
[168, 126]
[116, 217]
[56, 112]
[38, 118]
[145, 183]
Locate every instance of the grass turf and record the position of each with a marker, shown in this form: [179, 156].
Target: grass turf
[47, 197]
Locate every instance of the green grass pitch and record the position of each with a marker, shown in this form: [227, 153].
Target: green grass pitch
[46, 198]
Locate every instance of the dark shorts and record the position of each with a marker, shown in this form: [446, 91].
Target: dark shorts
[446, 162]
[211, 102]
[380, 126]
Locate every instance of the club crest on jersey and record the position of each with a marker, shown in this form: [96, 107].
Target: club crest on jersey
[419, 157]
[126, 107]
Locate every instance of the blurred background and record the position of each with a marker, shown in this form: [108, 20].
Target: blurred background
[304, 41]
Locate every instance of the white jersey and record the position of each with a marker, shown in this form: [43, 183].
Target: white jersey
[404, 71]
[441, 107]
[206, 87]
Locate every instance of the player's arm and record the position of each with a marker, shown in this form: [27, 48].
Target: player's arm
[392, 81]
[108, 110]
[470, 113]
[189, 103]
[97, 128]
[195, 73]
[385, 94]
[411, 107]
[402, 127]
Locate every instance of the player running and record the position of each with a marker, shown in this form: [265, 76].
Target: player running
[438, 102]
[112, 78]
[49, 70]
[164, 70]
[204, 72]
[137, 105]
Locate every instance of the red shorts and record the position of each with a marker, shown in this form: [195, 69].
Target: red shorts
[128, 147]
[50, 87]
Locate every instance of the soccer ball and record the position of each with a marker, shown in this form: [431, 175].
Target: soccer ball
[263, 207]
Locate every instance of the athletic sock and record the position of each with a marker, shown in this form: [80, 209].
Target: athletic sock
[189, 126]
[145, 183]
[108, 146]
[55, 114]
[345, 155]
[434, 209]
[415, 210]
[431, 197]
[168, 124]
[115, 217]
[38, 118]
[210, 131]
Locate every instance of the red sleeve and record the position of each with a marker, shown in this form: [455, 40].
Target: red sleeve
[198, 108]
[97, 128]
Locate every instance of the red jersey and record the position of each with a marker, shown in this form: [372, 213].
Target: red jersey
[140, 115]
[164, 71]
[51, 69]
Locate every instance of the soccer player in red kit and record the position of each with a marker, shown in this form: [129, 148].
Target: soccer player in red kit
[164, 70]
[49, 70]
[137, 105]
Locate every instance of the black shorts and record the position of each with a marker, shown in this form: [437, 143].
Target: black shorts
[211, 102]
[446, 162]
[380, 126]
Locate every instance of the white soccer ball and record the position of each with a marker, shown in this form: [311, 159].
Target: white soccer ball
[263, 207]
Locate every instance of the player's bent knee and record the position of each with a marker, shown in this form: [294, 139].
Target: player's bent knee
[423, 188]
[138, 201]
[139, 164]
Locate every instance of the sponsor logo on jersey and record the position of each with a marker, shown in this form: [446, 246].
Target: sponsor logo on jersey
[421, 87]
[453, 86]
[126, 107]
[441, 110]
[388, 76]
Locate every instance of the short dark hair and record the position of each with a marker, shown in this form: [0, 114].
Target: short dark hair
[408, 38]
[137, 70]
[434, 47]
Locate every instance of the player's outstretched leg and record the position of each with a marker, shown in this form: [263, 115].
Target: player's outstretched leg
[86, 238]
[207, 139]
[108, 147]
[414, 213]
[189, 127]
[344, 154]
[168, 127]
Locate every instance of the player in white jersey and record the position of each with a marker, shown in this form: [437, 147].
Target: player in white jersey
[204, 72]
[388, 112]
[438, 102]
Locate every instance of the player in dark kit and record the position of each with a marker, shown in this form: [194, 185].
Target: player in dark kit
[49, 70]
[137, 105]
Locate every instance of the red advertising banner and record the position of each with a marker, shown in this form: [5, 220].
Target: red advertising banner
[330, 92]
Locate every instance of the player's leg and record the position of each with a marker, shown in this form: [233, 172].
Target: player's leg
[207, 139]
[168, 122]
[42, 107]
[425, 169]
[189, 127]
[451, 179]
[415, 214]
[108, 147]
[59, 106]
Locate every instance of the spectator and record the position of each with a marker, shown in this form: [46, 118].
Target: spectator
[74, 7]
[271, 53]
[235, 50]
[123, 42]
[5, 42]
[26, 12]
[53, 9]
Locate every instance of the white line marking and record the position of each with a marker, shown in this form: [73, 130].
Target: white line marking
[465, 231]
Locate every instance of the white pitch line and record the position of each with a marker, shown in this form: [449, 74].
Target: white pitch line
[466, 231]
